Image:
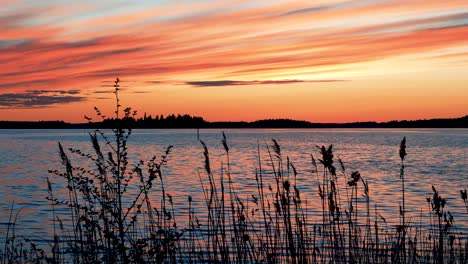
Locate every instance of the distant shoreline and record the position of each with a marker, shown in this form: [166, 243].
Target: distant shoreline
[189, 122]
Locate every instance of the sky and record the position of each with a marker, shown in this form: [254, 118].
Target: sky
[320, 61]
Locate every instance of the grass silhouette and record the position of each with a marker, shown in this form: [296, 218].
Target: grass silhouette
[119, 211]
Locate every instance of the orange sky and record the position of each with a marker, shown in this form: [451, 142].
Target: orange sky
[321, 61]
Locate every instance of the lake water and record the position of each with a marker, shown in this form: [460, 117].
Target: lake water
[435, 157]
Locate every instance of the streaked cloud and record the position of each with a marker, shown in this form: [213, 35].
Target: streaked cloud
[231, 40]
[39, 98]
[265, 82]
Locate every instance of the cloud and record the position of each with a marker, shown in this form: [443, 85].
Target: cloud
[154, 82]
[141, 92]
[38, 98]
[40, 92]
[306, 10]
[41, 48]
[320, 8]
[237, 83]
[104, 91]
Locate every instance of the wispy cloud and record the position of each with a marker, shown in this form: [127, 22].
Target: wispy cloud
[103, 91]
[237, 83]
[140, 92]
[46, 45]
[39, 98]
[60, 92]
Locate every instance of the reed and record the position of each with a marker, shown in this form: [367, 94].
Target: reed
[119, 211]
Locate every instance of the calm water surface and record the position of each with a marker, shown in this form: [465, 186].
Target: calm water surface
[435, 157]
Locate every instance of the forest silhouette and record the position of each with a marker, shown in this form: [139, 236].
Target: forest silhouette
[188, 121]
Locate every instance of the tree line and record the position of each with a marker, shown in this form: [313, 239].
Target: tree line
[188, 121]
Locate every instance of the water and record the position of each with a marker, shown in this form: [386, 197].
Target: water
[435, 157]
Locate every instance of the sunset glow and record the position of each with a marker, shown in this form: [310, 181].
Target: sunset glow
[321, 61]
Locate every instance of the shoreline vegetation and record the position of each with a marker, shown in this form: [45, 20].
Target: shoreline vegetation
[115, 210]
[187, 121]
[107, 208]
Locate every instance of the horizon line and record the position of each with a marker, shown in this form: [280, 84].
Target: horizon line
[241, 121]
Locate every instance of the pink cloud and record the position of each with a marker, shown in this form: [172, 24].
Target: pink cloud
[226, 41]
